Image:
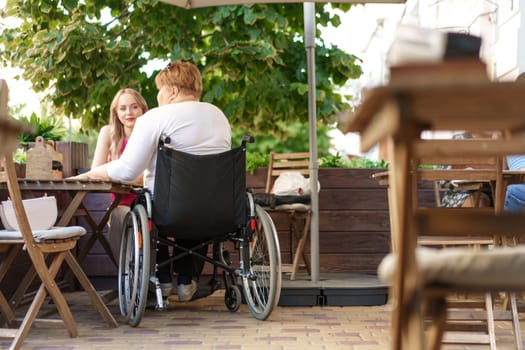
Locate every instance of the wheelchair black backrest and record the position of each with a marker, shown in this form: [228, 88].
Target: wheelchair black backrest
[199, 196]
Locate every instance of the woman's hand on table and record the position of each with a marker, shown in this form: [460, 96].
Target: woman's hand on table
[97, 173]
[88, 176]
[139, 181]
[81, 177]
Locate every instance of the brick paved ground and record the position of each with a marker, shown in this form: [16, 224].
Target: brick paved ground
[206, 324]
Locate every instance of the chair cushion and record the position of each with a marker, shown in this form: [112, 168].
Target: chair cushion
[293, 206]
[497, 268]
[53, 233]
[299, 203]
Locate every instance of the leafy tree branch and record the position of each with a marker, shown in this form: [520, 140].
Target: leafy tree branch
[252, 57]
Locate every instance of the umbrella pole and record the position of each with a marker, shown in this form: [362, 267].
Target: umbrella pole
[309, 42]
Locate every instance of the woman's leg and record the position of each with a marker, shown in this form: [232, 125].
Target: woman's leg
[115, 228]
[515, 198]
[189, 267]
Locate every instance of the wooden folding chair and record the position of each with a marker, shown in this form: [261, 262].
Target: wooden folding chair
[299, 214]
[469, 320]
[57, 242]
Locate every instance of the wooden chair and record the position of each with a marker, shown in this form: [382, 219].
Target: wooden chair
[8, 252]
[511, 177]
[299, 214]
[56, 243]
[440, 306]
[466, 315]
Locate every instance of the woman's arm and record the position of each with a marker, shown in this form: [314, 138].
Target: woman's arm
[101, 155]
[97, 173]
[139, 151]
[139, 181]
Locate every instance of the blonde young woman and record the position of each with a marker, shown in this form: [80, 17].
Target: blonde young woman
[127, 106]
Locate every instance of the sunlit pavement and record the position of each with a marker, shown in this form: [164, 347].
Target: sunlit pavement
[207, 324]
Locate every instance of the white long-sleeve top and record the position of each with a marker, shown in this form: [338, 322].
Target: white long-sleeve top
[193, 127]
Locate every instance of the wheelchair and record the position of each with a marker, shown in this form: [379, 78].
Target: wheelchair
[202, 198]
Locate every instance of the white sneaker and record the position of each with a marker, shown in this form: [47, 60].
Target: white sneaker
[186, 291]
[166, 289]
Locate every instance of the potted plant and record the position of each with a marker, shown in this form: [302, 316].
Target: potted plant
[75, 154]
[48, 127]
[20, 158]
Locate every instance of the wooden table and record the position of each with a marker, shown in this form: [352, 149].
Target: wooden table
[78, 190]
[397, 114]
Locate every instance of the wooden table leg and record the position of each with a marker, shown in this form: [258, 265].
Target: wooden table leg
[97, 232]
[75, 203]
[88, 287]
[407, 322]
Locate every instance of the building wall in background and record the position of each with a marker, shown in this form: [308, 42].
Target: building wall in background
[500, 23]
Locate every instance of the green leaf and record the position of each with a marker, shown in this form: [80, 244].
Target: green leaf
[70, 5]
[111, 45]
[84, 72]
[124, 43]
[46, 7]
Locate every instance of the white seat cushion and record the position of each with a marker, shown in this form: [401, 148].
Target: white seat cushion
[498, 268]
[293, 206]
[55, 232]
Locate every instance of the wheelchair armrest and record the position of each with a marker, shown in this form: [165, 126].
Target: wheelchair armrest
[145, 199]
[247, 139]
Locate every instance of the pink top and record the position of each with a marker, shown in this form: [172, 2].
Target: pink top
[128, 198]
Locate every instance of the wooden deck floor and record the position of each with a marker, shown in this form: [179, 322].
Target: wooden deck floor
[333, 289]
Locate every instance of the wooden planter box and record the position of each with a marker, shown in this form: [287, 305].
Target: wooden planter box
[354, 229]
[354, 224]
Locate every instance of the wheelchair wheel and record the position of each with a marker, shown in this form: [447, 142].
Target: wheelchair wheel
[134, 265]
[233, 298]
[262, 287]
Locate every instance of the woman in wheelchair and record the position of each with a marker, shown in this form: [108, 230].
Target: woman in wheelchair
[213, 207]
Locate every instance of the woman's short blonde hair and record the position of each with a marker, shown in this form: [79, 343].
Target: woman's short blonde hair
[183, 75]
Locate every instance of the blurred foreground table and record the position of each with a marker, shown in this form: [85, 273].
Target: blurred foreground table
[455, 96]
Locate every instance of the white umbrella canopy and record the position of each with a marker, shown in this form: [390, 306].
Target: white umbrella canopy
[207, 3]
[309, 30]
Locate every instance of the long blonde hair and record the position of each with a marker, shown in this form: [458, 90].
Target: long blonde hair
[116, 127]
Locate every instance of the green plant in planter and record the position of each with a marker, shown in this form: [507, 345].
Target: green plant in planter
[341, 161]
[255, 160]
[20, 160]
[48, 127]
[20, 156]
